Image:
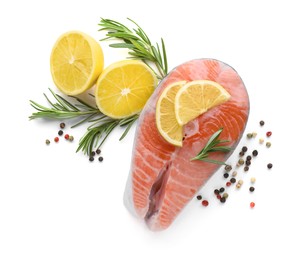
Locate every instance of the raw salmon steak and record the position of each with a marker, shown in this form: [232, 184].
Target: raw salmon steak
[162, 177]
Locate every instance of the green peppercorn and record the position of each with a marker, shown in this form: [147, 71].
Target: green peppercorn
[249, 135]
[47, 142]
[225, 195]
[71, 138]
[241, 161]
[268, 144]
[228, 167]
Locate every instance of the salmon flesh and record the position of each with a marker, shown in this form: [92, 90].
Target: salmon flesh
[162, 177]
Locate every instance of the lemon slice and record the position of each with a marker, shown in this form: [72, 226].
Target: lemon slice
[124, 87]
[196, 97]
[76, 62]
[165, 115]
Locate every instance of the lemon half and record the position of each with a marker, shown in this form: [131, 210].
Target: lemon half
[76, 62]
[124, 87]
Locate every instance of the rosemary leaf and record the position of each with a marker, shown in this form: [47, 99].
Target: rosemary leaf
[212, 146]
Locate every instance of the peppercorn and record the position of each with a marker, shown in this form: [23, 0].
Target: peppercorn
[261, 123]
[252, 180]
[248, 158]
[255, 153]
[223, 199]
[91, 159]
[241, 161]
[247, 163]
[228, 167]
[222, 189]
[199, 197]
[261, 140]
[56, 139]
[66, 136]
[98, 151]
[269, 133]
[240, 182]
[226, 175]
[71, 138]
[219, 196]
[241, 153]
[244, 149]
[93, 153]
[270, 166]
[249, 135]
[246, 168]
[232, 180]
[252, 204]
[228, 183]
[205, 203]
[101, 158]
[254, 134]
[216, 191]
[60, 132]
[47, 141]
[268, 144]
[62, 125]
[238, 186]
[251, 189]
[225, 195]
[234, 174]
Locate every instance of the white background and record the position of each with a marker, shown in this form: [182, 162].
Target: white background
[55, 204]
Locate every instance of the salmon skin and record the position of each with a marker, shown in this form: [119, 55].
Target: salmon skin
[162, 178]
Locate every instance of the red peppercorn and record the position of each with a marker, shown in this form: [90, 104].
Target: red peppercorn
[269, 133]
[56, 139]
[66, 136]
[219, 196]
[205, 203]
[252, 204]
[228, 183]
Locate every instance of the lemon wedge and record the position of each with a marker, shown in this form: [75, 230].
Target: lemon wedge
[165, 114]
[197, 97]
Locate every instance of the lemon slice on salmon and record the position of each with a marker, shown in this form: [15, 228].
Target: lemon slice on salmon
[124, 87]
[197, 97]
[165, 114]
[76, 62]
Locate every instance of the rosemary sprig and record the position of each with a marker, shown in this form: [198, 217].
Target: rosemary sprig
[98, 132]
[101, 125]
[139, 45]
[213, 146]
[63, 109]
